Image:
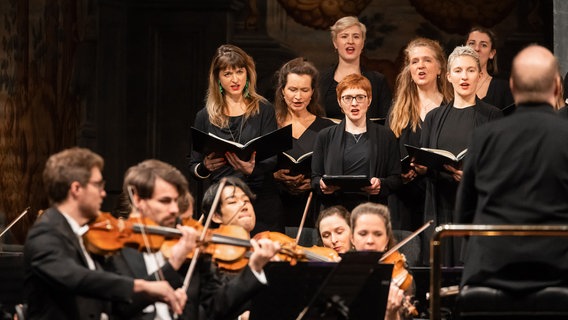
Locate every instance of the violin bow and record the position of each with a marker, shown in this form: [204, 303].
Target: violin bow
[301, 227]
[14, 221]
[158, 275]
[193, 263]
[405, 240]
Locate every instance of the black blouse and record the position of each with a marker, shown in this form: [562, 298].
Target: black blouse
[499, 93]
[380, 104]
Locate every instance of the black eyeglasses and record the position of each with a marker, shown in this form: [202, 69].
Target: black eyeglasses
[348, 99]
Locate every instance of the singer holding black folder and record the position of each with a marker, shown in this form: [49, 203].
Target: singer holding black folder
[236, 112]
[356, 146]
[421, 86]
[449, 127]
[296, 103]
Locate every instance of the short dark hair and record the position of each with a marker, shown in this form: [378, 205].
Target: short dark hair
[66, 167]
[142, 177]
[209, 195]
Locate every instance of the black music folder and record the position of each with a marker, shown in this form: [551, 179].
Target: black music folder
[265, 146]
[301, 165]
[347, 183]
[356, 288]
[435, 158]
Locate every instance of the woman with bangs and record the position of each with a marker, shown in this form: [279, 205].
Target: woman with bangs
[421, 86]
[296, 103]
[348, 37]
[356, 146]
[236, 112]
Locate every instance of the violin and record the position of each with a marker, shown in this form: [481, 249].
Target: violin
[228, 245]
[400, 275]
[313, 253]
[108, 234]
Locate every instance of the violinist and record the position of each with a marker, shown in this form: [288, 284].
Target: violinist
[156, 188]
[372, 231]
[235, 207]
[334, 230]
[62, 281]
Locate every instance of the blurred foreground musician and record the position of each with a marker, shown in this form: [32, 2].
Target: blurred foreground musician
[61, 279]
[156, 188]
[517, 174]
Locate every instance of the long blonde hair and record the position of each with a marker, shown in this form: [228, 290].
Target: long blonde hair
[230, 56]
[406, 106]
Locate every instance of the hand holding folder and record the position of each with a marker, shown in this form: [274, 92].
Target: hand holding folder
[435, 158]
[265, 146]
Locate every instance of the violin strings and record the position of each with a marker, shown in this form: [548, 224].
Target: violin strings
[147, 242]
[197, 250]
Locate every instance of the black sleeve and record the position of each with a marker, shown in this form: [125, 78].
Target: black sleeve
[318, 169]
[229, 300]
[466, 200]
[196, 166]
[392, 180]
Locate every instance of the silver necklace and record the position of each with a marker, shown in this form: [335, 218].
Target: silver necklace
[240, 130]
[357, 137]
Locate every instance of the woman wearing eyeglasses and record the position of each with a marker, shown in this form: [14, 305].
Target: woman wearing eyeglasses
[356, 146]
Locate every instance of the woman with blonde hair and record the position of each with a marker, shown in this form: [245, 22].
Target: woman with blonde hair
[449, 127]
[421, 86]
[348, 37]
[236, 112]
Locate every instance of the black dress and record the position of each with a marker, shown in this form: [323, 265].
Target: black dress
[407, 204]
[296, 203]
[267, 206]
[499, 93]
[563, 112]
[448, 128]
[380, 104]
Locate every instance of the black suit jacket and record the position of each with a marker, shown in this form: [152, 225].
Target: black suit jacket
[129, 262]
[58, 283]
[208, 296]
[516, 173]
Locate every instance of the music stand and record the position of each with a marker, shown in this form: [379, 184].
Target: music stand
[355, 288]
[289, 289]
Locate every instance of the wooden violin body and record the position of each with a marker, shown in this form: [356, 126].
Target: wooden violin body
[313, 253]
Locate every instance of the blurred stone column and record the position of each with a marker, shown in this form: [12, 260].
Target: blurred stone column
[560, 13]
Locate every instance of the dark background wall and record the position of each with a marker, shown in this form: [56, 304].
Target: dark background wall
[126, 77]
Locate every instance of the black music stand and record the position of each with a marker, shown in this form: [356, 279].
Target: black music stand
[11, 278]
[355, 288]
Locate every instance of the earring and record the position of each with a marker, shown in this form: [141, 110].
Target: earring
[220, 87]
[246, 89]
